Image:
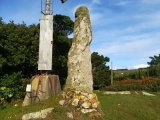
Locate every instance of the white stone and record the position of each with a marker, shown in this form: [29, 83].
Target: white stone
[70, 115]
[95, 104]
[78, 92]
[86, 104]
[61, 102]
[88, 110]
[92, 96]
[37, 115]
[136, 92]
[148, 94]
[85, 94]
[127, 92]
[75, 102]
[120, 92]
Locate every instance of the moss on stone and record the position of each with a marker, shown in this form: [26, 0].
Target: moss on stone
[82, 11]
[79, 76]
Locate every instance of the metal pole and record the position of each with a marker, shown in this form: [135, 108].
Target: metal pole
[47, 7]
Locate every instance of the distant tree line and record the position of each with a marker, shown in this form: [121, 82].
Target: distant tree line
[147, 79]
[152, 71]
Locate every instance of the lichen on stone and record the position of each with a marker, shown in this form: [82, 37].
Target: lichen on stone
[79, 56]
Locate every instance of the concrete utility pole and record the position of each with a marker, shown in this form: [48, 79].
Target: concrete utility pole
[46, 38]
[44, 85]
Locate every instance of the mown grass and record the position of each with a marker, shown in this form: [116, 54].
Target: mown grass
[130, 107]
[115, 107]
[16, 112]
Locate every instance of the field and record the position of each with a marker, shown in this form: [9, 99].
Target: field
[115, 107]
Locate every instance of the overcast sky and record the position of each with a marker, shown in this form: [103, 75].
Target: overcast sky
[126, 31]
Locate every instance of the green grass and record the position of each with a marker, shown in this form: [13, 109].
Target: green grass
[130, 107]
[16, 112]
[115, 107]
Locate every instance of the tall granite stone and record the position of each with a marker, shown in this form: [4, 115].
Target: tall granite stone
[79, 56]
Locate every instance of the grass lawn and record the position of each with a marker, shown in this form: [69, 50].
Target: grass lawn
[115, 107]
[130, 107]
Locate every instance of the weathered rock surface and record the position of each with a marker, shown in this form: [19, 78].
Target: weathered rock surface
[37, 115]
[43, 86]
[81, 102]
[128, 92]
[79, 56]
[70, 115]
[78, 93]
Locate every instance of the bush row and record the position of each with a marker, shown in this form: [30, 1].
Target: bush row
[153, 71]
[135, 85]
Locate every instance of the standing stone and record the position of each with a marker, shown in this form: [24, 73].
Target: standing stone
[79, 56]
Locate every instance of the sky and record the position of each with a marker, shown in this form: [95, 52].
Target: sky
[126, 31]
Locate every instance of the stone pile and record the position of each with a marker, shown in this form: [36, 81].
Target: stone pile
[81, 101]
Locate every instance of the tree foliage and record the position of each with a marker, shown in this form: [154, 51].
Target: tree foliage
[155, 60]
[101, 72]
[18, 57]
[154, 69]
[18, 48]
[19, 52]
[63, 26]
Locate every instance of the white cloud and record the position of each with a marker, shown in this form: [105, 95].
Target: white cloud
[127, 35]
[119, 44]
[140, 66]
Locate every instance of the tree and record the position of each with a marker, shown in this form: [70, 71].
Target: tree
[19, 48]
[18, 57]
[155, 60]
[2, 36]
[154, 69]
[101, 72]
[63, 26]
[19, 52]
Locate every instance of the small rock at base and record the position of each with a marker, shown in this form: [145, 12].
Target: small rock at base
[70, 115]
[61, 102]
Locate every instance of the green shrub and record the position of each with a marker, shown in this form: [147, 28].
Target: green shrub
[136, 85]
[11, 87]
